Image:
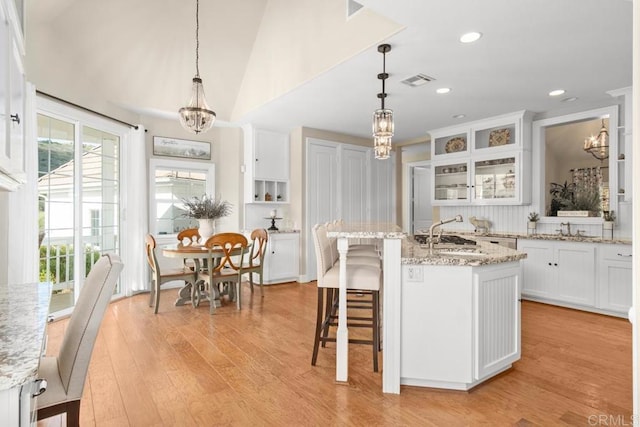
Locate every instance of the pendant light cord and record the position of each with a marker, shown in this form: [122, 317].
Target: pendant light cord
[197, 38]
[384, 71]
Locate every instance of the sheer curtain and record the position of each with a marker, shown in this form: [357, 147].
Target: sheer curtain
[592, 178]
[135, 217]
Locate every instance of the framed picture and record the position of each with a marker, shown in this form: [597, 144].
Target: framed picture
[164, 146]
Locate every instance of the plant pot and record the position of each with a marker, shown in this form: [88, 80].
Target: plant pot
[531, 225]
[607, 225]
[206, 228]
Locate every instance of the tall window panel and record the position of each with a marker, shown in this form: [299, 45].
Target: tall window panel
[79, 194]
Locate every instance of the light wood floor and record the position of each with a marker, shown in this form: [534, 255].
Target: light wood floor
[252, 367]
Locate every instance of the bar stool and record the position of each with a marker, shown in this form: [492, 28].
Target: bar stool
[363, 277]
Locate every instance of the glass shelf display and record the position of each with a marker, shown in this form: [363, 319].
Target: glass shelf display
[495, 179]
[451, 182]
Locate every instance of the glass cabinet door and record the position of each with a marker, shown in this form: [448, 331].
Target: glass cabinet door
[495, 178]
[451, 182]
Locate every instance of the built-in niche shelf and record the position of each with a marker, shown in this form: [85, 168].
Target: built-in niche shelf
[268, 191]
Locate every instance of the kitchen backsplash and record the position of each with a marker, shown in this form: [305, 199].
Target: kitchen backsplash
[513, 219]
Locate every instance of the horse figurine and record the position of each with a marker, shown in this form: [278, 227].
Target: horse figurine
[481, 225]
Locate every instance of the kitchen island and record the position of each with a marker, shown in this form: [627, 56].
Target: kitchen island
[460, 315]
[451, 314]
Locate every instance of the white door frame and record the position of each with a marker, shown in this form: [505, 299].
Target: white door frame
[407, 181]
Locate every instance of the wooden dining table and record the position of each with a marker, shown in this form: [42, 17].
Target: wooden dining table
[191, 292]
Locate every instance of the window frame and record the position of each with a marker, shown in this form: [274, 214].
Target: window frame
[155, 163]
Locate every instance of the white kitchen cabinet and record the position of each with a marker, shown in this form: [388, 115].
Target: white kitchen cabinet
[483, 180]
[282, 258]
[615, 282]
[460, 324]
[266, 166]
[12, 93]
[559, 272]
[484, 162]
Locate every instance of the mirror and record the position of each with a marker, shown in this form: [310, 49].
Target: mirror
[568, 179]
[575, 180]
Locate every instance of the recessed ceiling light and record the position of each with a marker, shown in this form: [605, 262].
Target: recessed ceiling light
[470, 37]
[571, 99]
[459, 116]
[556, 92]
[443, 90]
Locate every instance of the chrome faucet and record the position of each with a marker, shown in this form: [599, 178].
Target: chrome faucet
[457, 218]
[561, 231]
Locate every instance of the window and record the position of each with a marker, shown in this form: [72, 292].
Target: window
[170, 181]
[79, 199]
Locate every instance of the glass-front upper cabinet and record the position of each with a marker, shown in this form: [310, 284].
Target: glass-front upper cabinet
[496, 179]
[450, 142]
[493, 135]
[451, 183]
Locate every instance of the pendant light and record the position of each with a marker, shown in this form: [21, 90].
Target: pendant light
[598, 146]
[382, 118]
[197, 116]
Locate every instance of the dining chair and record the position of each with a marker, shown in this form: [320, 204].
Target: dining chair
[226, 256]
[189, 237]
[160, 277]
[66, 373]
[255, 262]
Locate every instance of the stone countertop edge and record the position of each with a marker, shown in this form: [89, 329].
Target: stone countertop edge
[483, 253]
[584, 239]
[23, 318]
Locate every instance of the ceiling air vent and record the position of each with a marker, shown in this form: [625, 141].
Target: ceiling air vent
[352, 7]
[417, 80]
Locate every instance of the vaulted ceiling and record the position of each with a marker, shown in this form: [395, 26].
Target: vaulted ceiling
[286, 63]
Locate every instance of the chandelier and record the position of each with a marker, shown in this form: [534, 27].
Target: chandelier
[197, 116]
[598, 146]
[382, 118]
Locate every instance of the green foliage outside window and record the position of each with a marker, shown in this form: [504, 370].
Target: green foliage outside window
[58, 272]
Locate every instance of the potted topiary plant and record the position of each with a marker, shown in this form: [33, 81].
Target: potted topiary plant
[206, 210]
[533, 220]
[609, 218]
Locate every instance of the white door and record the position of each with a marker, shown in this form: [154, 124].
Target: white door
[354, 186]
[383, 190]
[322, 190]
[421, 210]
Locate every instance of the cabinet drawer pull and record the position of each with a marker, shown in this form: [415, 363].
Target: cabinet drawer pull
[624, 255]
[15, 118]
[41, 386]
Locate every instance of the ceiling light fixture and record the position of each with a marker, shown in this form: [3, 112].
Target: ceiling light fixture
[570, 99]
[459, 116]
[443, 90]
[470, 37]
[598, 146]
[382, 118]
[197, 116]
[556, 92]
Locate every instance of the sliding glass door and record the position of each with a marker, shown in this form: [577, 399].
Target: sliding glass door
[79, 203]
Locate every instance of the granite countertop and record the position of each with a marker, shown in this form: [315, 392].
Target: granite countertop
[585, 239]
[371, 230]
[23, 318]
[482, 253]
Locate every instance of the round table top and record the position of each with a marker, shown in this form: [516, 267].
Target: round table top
[195, 250]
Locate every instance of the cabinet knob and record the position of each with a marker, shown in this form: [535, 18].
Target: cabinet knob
[41, 385]
[549, 263]
[273, 252]
[15, 118]
[555, 264]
